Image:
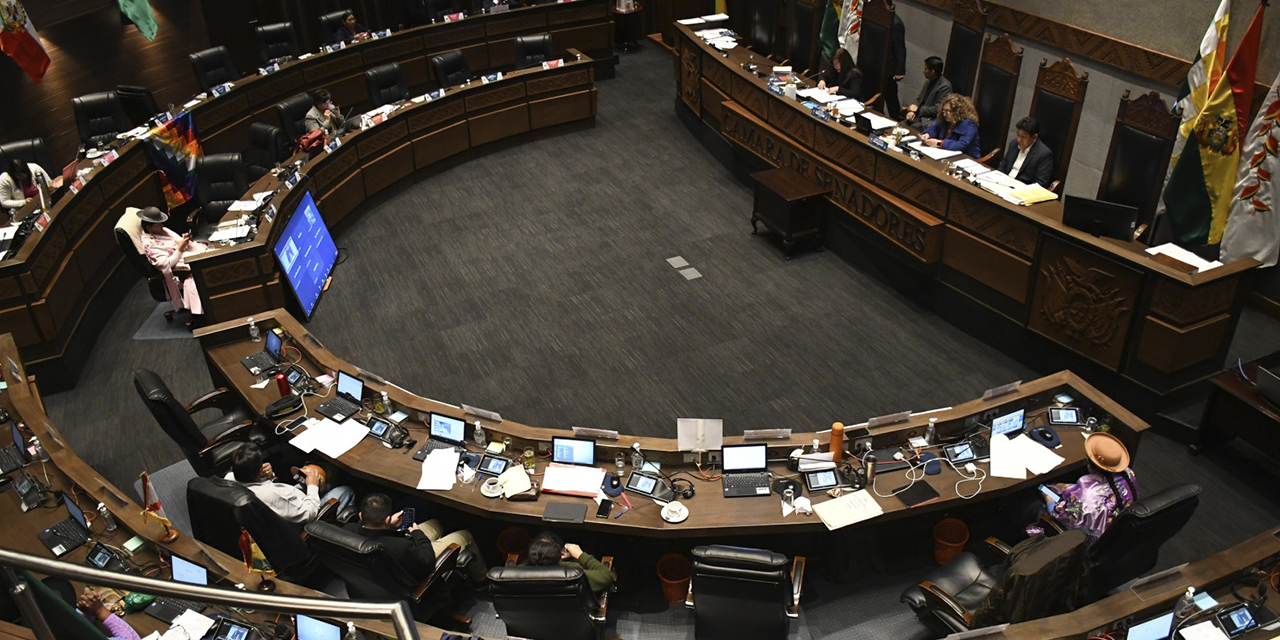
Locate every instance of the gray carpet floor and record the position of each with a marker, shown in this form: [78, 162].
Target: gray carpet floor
[532, 279]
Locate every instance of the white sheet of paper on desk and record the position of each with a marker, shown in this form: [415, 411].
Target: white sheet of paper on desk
[1182, 255]
[1037, 458]
[689, 22]
[243, 205]
[8, 232]
[154, 635]
[306, 440]
[341, 438]
[816, 462]
[724, 44]
[973, 167]
[1206, 630]
[1004, 459]
[572, 479]
[880, 122]
[848, 509]
[439, 470]
[232, 233]
[716, 17]
[514, 480]
[190, 624]
[933, 152]
[849, 107]
[190, 103]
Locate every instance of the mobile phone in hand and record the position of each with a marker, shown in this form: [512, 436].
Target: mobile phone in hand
[407, 518]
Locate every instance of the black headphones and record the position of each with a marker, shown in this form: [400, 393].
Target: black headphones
[687, 492]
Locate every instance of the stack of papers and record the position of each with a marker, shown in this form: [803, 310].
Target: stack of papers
[572, 479]
[932, 152]
[330, 438]
[1030, 194]
[878, 122]
[716, 17]
[243, 205]
[972, 167]
[816, 462]
[848, 509]
[849, 107]
[514, 480]
[439, 470]
[1182, 255]
[821, 96]
[231, 233]
[689, 22]
[1014, 458]
[8, 232]
[713, 34]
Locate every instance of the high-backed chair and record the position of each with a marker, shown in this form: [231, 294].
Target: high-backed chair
[267, 148]
[1057, 103]
[803, 17]
[764, 26]
[533, 50]
[138, 103]
[548, 603]
[993, 95]
[451, 68]
[208, 446]
[387, 84]
[363, 564]
[1040, 577]
[29, 151]
[743, 593]
[329, 23]
[277, 42]
[964, 50]
[1141, 145]
[213, 67]
[873, 50]
[129, 237]
[221, 180]
[293, 115]
[99, 117]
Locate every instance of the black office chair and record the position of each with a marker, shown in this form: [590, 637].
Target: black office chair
[533, 50]
[213, 67]
[128, 236]
[267, 148]
[31, 150]
[738, 592]
[99, 117]
[277, 42]
[207, 446]
[548, 603]
[221, 179]
[329, 23]
[138, 103]
[451, 68]
[387, 84]
[370, 574]
[293, 116]
[1040, 577]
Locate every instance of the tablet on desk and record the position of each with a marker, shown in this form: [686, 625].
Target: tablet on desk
[821, 480]
[491, 465]
[1064, 415]
[642, 483]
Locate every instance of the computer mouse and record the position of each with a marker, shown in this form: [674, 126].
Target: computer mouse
[614, 482]
[932, 466]
[5, 483]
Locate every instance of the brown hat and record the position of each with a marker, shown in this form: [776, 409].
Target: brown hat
[1106, 452]
[152, 215]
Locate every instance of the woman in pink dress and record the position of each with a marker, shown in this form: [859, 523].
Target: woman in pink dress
[168, 251]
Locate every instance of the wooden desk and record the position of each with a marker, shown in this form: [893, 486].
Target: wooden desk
[1236, 409]
[711, 514]
[786, 204]
[1103, 300]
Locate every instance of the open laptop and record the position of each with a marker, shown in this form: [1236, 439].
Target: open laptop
[1009, 424]
[268, 358]
[573, 451]
[67, 535]
[312, 629]
[744, 470]
[1269, 386]
[446, 433]
[13, 457]
[347, 401]
[167, 609]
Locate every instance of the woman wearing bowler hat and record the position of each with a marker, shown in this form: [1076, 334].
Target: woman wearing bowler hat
[1094, 500]
[168, 251]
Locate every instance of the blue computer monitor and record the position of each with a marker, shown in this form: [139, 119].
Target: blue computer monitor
[573, 451]
[448, 428]
[1009, 424]
[312, 629]
[306, 254]
[75, 510]
[273, 345]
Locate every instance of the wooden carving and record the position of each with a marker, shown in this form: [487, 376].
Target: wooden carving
[690, 87]
[971, 13]
[1061, 78]
[1084, 301]
[1148, 113]
[999, 53]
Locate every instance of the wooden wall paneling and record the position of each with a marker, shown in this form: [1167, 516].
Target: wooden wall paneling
[712, 101]
[48, 255]
[477, 56]
[1181, 305]
[342, 199]
[217, 114]
[61, 295]
[1169, 349]
[846, 152]
[560, 109]
[517, 24]
[990, 267]
[591, 38]
[441, 143]
[18, 321]
[450, 108]
[239, 303]
[383, 172]
[502, 53]
[499, 124]
[231, 23]
[280, 85]
[913, 185]
[755, 99]
[690, 76]
[97, 249]
[992, 222]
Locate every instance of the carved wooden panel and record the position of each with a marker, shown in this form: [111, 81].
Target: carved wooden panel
[276, 87]
[516, 24]
[383, 136]
[715, 72]
[713, 99]
[1061, 78]
[971, 13]
[993, 222]
[47, 256]
[1170, 349]
[345, 62]
[388, 50]
[916, 186]
[124, 172]
[751, 96]
[1182, 305]
[546, 84]
[230, 273]
[336, 168]
[846, 151]
[453, 34]
[486, 98]
[76, 213]
[209, 115]
[429, 116]
[690, 74]
[1083, 301]
[987, 264]
[1149, 113]
[578, 13]
[793, 122]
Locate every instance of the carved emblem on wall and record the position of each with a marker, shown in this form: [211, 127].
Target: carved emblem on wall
[1083, 303]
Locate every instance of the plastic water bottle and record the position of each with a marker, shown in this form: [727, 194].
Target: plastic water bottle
[386, 403]
[107, 518]
[931, 430]
[1185, 607]
[255, 334]
[478, 436]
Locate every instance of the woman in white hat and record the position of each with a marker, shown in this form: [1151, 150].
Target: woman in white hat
[1094, 500]
[168, 251]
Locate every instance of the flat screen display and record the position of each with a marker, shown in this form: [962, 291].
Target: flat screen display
[447, 428]
[642, 483]
[1009, 424]
[573, 451]
[1064, 415]
[306, 253]
[74, 510]
[188, 572]
[312, 629]
[350, 386]
[746, 457]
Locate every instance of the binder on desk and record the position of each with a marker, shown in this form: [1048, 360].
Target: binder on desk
[573, 480]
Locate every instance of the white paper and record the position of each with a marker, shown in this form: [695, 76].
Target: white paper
[933, 152]
[341, 438]
[8, 232]
[1037, 458]
[572, 479]
[306, 440]
[972, 166]
[233, 233]
[1182, 255]
[880, 122]
[439, 470]
[305, 56]
[716, 17]
[816, 462]
[1204, 631]
[155, 635]
[849, 107]
[243, 205]
[1004, 459]
[191, 103]
[262, 384]
[818, 95]
[195, 624]
[848, 509]
[724, 44]
[688, 22]
[514, 480]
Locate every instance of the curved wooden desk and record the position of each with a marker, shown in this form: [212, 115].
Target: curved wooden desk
[69, 275]
[711, 513]
[1104, 300]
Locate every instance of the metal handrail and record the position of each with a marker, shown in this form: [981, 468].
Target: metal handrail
[401, 617]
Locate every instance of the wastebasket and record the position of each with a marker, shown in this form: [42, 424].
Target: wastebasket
[674, 570]
[513, 540]
[949, 537]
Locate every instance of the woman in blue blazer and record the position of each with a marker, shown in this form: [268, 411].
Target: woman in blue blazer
[956, 128]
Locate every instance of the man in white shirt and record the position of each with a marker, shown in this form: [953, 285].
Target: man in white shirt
[1033, 163]
[249, 466]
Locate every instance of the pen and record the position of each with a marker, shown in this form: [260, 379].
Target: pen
[622, 512]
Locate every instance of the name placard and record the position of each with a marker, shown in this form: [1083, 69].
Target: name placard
[553, 64]
[493, 77]
[454, 17]
[332, 145]
[1001, 390]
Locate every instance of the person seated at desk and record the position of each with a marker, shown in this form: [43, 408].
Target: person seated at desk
[350, 29]
[1098, 496]
[936, 88]
[842, 76]
[548, 550]
[168, 251]
[956, 129]
[324, 115]
[18, 185]
[417, 548]
[249, 467]
[1033, 164]
[91, 607]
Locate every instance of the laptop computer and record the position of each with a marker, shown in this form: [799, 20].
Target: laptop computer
[347, 401]
[446, 433]
[268, 358]
[1009, 424]
[744, 470]
[1100, 218]
[13, 457]
[67, 535]
[166, 608]
[1269, 386]
[573, 451]
[312, 629]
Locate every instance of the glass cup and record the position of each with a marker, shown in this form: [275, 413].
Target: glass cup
[529, 460]
[620, 459]
[506, 444]
[788, 497]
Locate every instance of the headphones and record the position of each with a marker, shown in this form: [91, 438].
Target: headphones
[685, 493]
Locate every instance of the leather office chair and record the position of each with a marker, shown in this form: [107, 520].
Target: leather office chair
[221, 179]
[99, 117]
[209, 445]
[267, 148]
[764, 25]
[451, 68]
[802, 50]
[997, 85]
[29, 151]
[128, 236]
[548, 603]
[964, 49]
[873, 52]
[138, 103]
[1057, 103]
[277, 42]
[293, 115]
[533, 50]
[738, 592]
[213, 67]
[371, 574]
[329, 23]
[387, 84]
[1042, 576]
[1141, 145]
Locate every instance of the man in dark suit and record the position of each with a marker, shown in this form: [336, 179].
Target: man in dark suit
[416, 548]
[936, 87]
[1033, 162]
[897, 63]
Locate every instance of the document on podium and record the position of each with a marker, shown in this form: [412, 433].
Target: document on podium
[572, 479]
[848, 509]
[439, 470]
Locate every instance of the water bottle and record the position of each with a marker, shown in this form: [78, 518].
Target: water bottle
[1185, 607]
[637, 461]
[107, 518]
[931, 430]
[352, 632]
[478, 436]
[255, 334]
[386, 403]
[817, 446]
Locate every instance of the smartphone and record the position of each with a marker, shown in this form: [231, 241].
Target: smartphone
[606, 506]
[407, 518]
[1053, 497]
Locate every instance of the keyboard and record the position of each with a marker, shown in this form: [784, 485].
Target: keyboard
[429, 446]
[338, 406]
[738, 480]
[261, 361]
[180, 604]
[71, 532]
[11, 459]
